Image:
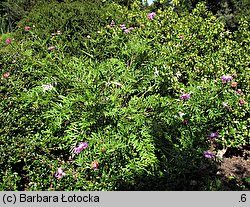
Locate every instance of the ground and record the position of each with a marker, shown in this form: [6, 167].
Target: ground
[235, 169]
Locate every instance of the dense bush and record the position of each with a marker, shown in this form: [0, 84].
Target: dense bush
[229, 11]
[147, 101]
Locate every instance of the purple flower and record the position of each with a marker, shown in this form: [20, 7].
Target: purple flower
[126, 31]
[226, 78]
[208, 154]
[131, 28]
[51, 48]
[185, 96]
[213, 135]
[59, 173]
[151, 15]
[112, 24]
[123, 27]
[184, 121]
[82, 146]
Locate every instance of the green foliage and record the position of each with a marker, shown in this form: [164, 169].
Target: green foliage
[119, 92]
[228, 11]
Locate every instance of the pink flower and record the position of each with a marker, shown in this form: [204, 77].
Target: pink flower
[225, 104]
[234, 84]
[182, 37]
[126, 31]
[51, 48]
[8, 41]
[27, 28]
[82, 146]
[59, 173]
[94, 165]
[234, 75]
[6, 75]
[239, 91]
[241, 101]
[151, 15]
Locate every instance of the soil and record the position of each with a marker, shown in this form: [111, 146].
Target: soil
[235, 168]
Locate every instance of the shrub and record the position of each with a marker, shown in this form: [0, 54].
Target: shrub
[147, 101]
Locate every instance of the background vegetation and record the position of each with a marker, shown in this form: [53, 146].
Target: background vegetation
[144, 90]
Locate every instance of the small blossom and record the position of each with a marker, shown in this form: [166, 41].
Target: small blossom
[142, 25]
[182, 37]
[126, 31]
[241, 101]
[239, 91]
[184, 121]
[59, 173]
[178, 74]
[224, 104]
[185, 96]
[6, 75]
[47, 87]
[94, 165]
[181, 114]
[26, 28]
[131, 28]
[112, 23]
[208, 154]
[82, 146]
[51, 48]
[226, 78]
[234, 75]
[8, 41]
[58, 33]
[213, 135]
[123, 27]
[151, 15]
[88, 36]
[234, 84]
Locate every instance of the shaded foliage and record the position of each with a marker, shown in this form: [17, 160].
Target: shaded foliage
[229, 11]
